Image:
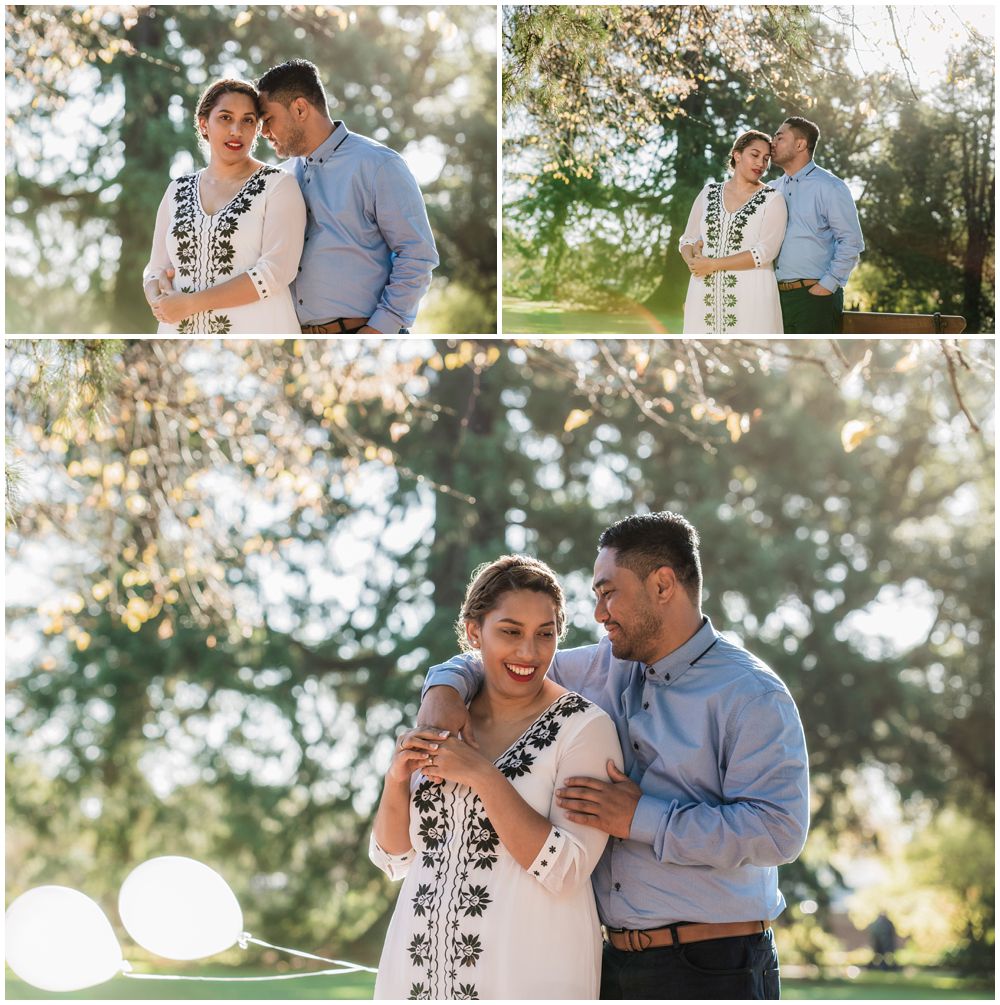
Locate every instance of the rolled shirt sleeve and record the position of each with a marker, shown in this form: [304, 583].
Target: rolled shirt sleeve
[763, 817]
[282, 237]
[464, 673]
[772, 231]
[402, 219]
[571, 851]
[842, 218]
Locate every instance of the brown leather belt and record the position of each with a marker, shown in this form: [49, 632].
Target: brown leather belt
[796, 284]
[635, 941]
[338, 326]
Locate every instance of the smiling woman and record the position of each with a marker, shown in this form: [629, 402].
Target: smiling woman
[475, 829]
[228, 237]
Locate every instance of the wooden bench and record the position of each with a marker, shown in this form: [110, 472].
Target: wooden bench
[865, 323]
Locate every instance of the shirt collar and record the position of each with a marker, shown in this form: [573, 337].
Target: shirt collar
[804, 171]
[325, 150]
[674, 665]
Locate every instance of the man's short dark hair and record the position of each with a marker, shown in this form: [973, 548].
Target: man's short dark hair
[809, 131]
[295, 78]
[649, 540]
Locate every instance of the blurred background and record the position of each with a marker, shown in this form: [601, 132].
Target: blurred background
[99, 117]
[229, 564]
[615, 117]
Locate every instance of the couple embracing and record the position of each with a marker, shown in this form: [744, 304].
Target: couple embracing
[771, 259]
[337, 243]
[644, 789]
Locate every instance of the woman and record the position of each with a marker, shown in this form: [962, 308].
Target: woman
[733, 235]
[497, 901]
[232, 232]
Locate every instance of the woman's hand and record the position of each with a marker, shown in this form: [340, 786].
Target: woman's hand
[702, 266]
[157, 284]
[456, 761]
[172, 307]
[414, 750]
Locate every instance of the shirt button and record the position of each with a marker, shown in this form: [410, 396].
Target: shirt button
[618, 886]
[300, 301]
[645, 704]
[666, 676]
[636, 745]
[300, 268]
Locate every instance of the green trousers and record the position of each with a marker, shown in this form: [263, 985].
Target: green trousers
[802, 313]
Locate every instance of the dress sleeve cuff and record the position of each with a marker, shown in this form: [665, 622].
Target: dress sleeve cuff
[549, 854]
[394, 866]
[758, 257]
[646, 820]
[260, 283]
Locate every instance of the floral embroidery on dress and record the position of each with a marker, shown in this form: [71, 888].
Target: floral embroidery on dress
[724, 236]
[205, 251]
[443, 947]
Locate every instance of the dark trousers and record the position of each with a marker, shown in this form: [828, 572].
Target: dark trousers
[743, 967]
[803, 313]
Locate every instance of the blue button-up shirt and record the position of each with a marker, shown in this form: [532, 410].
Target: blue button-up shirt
[714, 740]
[823, 238]
[368, 251]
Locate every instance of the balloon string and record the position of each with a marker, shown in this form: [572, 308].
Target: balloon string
[275, 977]
[246, 937]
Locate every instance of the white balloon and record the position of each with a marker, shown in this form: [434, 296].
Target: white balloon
[59, 940]
[179, 908]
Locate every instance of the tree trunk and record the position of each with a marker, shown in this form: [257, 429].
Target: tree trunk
[461, 454]
[555, 252]
[144, 174]
[978, 191]
[668, 297]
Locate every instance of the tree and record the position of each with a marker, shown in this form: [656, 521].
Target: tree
[417, 79]
[927, 204]
[265, 557]
[618, 116]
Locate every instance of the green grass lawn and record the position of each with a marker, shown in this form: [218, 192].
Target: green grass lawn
[337, 986]
[359, 986]
[523, 317]
[885, 986]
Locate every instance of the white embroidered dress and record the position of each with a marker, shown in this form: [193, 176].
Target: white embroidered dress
[259, 232]
[744, 301]
[470, 923]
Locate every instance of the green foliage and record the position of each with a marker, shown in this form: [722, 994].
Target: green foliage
[612, 131]
[252, 562]
[407, 75]
[941, 890]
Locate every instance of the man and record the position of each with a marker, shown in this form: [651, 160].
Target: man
[369, 251]
[715, 793]
[823, 239]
